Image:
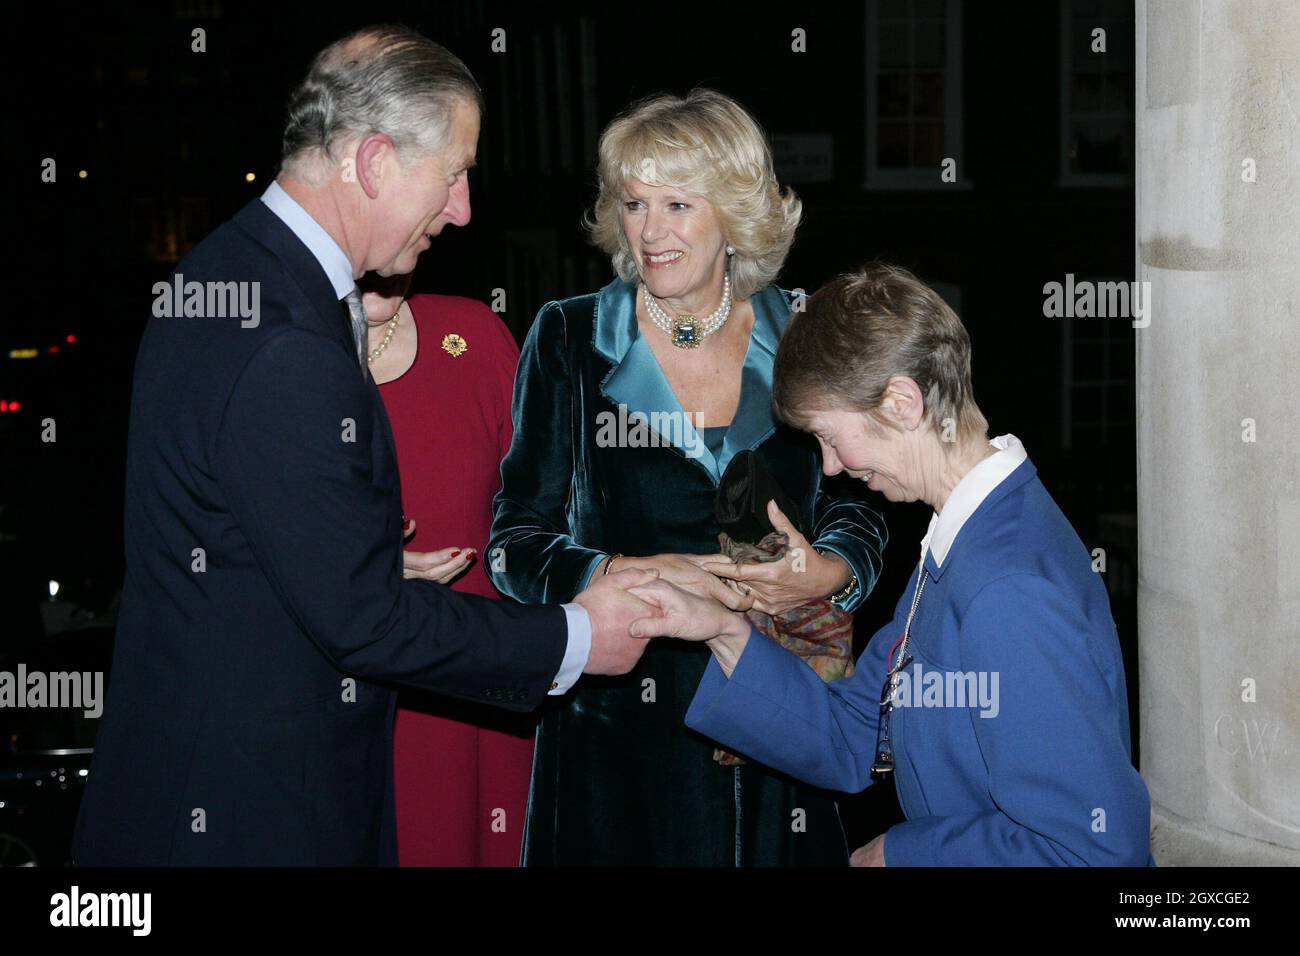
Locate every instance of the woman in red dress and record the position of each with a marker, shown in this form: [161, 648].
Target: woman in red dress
[445, 367]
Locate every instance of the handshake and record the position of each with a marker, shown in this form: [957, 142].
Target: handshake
[629, 607]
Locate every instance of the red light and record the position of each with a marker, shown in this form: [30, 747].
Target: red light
[71, 339]
[4, 406]
[53, 349]
[9, 406]
[14, 406]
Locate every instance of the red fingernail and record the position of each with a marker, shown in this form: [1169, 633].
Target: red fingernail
[456, 552]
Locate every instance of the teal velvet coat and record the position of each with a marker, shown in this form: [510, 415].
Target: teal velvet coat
[617, 777]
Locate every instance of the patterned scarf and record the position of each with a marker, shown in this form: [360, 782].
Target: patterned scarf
[819, 632]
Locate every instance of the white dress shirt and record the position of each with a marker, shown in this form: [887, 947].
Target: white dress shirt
[969, 493]
[338, 269]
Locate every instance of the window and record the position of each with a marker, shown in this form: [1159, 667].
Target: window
[1097, 94]
[913, 92]
[1098, 375]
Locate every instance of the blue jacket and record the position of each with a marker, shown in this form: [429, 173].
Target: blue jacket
[1038, 772]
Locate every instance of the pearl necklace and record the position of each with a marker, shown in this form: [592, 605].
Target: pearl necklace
[686, 331]
[391, 327]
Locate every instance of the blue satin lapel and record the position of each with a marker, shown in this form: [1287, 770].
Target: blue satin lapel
[615, 327]
[754, 421]
[637, 381]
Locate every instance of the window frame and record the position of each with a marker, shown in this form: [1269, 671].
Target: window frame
[1066, 179]
[916, 178]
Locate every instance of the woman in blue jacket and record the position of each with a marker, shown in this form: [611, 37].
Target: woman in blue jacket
[995, 699]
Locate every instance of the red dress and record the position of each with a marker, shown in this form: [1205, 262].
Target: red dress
[461, 770]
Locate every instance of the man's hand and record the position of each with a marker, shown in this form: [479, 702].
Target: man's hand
[612, 607]
[684, 571]
[680, 614]
[873, 854]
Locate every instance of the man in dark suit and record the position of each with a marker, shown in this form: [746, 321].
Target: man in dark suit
[264, 616]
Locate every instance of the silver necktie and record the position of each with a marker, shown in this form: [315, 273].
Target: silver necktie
[360, 329]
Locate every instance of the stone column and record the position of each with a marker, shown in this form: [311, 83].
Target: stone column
[1218, 406]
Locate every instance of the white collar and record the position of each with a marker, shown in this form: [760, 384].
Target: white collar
[976, 485]
[320, 243]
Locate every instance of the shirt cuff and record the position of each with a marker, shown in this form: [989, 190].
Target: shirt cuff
[576, 654]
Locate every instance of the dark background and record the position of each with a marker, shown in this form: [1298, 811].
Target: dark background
[1040, 127]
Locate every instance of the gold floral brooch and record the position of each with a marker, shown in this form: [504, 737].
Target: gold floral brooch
[454, 345]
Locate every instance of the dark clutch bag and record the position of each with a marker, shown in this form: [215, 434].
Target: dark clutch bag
[741, 503]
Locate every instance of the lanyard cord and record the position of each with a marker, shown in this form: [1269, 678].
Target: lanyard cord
[901, 643]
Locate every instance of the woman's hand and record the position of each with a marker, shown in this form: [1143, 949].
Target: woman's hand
[681, 570]
[873, 854]
[803, 575]
[680, 614]
[440, 567]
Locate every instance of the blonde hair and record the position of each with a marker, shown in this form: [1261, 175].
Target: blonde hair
[708, 145]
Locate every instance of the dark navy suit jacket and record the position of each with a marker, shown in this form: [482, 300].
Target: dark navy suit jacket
[264, 615]
[1037, 772]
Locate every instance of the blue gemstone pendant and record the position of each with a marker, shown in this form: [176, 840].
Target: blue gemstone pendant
[684, 334]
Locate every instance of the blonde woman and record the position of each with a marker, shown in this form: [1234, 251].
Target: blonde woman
[685, 335]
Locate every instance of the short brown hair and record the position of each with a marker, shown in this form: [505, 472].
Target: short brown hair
[860, 330]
